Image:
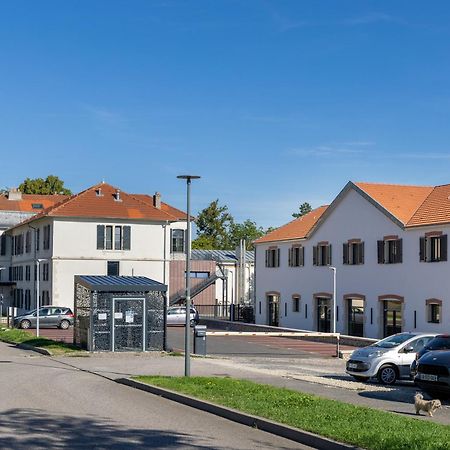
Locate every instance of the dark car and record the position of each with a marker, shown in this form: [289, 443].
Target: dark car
[433, 373]
[49, 317]
[439, 342]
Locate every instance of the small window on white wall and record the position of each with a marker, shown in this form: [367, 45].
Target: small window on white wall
[296, 303]
[434, 307]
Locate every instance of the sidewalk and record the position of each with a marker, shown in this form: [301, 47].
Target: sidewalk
[396, 399]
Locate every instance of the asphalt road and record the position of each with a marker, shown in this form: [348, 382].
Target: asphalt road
[47, 403]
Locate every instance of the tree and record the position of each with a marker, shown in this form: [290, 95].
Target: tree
[247, 230]
[304, 208]
[213, 225]
[51, 185]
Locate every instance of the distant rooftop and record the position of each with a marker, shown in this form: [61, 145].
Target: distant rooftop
[221, 255]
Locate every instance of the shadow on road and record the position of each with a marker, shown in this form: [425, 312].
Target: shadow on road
[33, 428]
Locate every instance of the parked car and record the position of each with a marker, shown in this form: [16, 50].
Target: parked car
[433, 373]
[176, 315]
[49, 317]
[439, 342]
[389, 359]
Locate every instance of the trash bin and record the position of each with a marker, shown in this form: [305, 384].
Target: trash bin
[200, 340]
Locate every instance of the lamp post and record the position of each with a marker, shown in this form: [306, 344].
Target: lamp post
[187, 335]
[1, 298]
[38, 261]
[334, 298]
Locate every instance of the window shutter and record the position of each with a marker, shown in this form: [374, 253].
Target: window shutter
[329, 255]
[399, 256]
[302, 256]
[444, 247]
[278, 257]
[380, 252]
[171, 242]
[100, 237]
[315, 255]
[361, 253]
[290, 256]
[127, 237]
[267, 258]
[422, 249]
[345, 253]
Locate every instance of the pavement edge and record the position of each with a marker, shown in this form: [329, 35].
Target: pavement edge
[294, 434]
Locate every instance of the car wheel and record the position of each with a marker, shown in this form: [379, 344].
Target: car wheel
[360, 379]
[387, 374]
[64, 325]
[25, 324]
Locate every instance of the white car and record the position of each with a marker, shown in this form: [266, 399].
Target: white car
[389, 359]
[176, 315]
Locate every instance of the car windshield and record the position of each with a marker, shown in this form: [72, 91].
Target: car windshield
[439, 343]
[393, 341]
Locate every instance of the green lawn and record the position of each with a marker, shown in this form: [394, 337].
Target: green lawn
[357, 425]
[16, 336]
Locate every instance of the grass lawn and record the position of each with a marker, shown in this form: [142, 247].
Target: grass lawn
[16, 336]
[357, 425]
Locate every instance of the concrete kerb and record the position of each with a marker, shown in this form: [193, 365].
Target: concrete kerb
[42, 351]
[285, 431]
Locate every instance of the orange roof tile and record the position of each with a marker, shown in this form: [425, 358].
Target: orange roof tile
[27, 202]
[181, 215]
[435, 209]
[296, 229]
[399, 200]
[89, 204]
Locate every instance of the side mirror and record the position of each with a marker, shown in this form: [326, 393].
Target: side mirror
[408, 349]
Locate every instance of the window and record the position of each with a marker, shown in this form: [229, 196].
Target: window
[45, 272]
[27, 299]
[273, 257]
[113, 268]
[295, 303]
[322, 254]
[177, 241]
[198, 274]
[390, 251]
[28, 242]
[353, 253]
[3, 245]
[107, 235]
[433, 248]
[46, 243]
[38, 238]
[37, 205]
[434, 310]
[27, 273]
[296, 256]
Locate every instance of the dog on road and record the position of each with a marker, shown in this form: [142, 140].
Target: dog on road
[429, 406]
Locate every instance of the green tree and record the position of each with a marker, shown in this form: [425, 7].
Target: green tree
[304, 208]
[247, 230]
[213, 227]
[51, 185]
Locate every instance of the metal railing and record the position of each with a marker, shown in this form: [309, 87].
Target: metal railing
[235, 313]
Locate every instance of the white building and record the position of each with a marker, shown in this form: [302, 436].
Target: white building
[100, 231]
[388, 244]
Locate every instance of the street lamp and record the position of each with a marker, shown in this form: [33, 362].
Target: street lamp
[187, 347]
[334, 298]
[38, 261]
[1, 298]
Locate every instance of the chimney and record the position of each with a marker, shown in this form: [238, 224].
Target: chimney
[157, 200]
[14, 194]
[117, 195]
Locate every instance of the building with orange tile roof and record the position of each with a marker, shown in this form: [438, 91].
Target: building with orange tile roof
[388, 244]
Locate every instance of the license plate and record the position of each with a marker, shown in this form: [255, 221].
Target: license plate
[427, 377]
[352, 365]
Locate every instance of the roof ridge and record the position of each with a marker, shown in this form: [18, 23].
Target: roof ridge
[393, 184]
[148, 204]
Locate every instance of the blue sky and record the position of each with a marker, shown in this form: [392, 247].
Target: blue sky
[273, 103]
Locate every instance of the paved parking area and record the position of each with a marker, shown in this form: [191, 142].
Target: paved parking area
[56, 334]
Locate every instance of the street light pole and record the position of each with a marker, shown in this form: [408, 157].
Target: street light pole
[334, 298]
[38, 261]
[1, 299]
[187, 335]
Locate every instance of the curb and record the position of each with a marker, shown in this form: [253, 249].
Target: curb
[285, 431]
[42, 351]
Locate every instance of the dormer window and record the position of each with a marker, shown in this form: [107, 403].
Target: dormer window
[98, 192]
[116, 196]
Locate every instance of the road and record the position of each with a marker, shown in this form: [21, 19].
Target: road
[47, 403]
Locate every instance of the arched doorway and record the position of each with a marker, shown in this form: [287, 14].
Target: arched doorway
[273, 308]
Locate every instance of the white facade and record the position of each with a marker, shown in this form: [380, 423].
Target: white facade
[409, 283]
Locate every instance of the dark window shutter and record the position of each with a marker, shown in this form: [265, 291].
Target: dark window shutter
[361, 253]
[100, 237]
[267, 258]
[302, 256]
[345, 253]
[399, 255]
[290, 251]
[329, 255]
[380, 252]
[315, 255]
[278, 257]
[422, 249]
[171, 242]
[127, 237]
[3, 245]
[444, 247]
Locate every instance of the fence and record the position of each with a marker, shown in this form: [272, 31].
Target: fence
[235, 313]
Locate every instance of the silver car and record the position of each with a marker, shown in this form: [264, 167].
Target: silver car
[176, 315]
[389, 359]
[49, 316]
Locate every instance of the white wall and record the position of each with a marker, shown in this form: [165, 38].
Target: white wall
[356, 218]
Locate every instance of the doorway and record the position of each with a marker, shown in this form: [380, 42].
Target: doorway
[129, 324]
[392, 317]
[273, 302]
[355, 316]
[323, 315]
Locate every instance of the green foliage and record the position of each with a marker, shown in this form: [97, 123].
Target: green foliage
[247, 230]
[357, 425]
[304, 208]
[51, 185]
